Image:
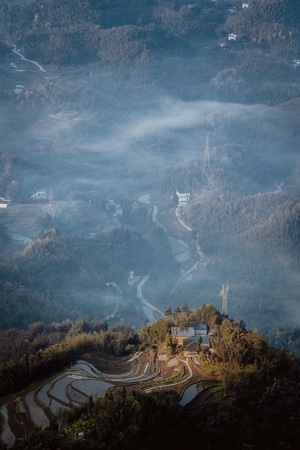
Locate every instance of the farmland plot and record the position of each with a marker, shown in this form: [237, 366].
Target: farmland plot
[68, 389]
[37, 414]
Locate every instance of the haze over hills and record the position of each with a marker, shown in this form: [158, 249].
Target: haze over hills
[107, 101]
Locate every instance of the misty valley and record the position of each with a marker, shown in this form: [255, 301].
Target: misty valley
[111, 161]
[149, 220]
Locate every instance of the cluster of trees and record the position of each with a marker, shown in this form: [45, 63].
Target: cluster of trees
[57, 276]
[23, 305]
[229, 221]
[13, 170]
[243, 219]
[76, 32]
[133, 40]
[234, 346]
[107, 31]
[259, 409]
[253, 241]
[17, 342]
[41, 350]
[26, 355]
[274, 25]
[256, 418]
[265, 30]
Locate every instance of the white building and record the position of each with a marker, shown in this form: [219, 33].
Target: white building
[4, 202]
[183, 197]
[232, 37]
[296, 63]
[40, 194]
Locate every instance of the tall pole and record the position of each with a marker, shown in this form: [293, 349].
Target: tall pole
[224, 293]
[206, 155]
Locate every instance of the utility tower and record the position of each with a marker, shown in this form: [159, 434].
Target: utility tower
[206, 155]
[224, 293]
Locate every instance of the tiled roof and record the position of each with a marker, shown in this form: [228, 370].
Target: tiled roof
[183, 332]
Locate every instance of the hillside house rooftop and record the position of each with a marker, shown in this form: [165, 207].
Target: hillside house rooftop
[183, 197]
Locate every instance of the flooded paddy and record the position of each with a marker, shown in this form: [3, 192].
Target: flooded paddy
[76, 397]
[93, 387]
[65, 390]
[192, 391]
[42, 396]
[87, 368]
[37, 413]
[58, 390]
[7, 436]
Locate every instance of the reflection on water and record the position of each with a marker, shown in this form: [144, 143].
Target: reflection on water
[37, 414]
[189, 394]
[192, 391]
[7, 436]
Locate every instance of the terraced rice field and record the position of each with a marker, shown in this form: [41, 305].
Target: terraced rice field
[67, 389]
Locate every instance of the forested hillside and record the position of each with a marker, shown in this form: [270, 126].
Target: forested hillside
[100, 120]
[271, 25]
[57, 276]
[255, 405]
[142, 36]
[165, 136]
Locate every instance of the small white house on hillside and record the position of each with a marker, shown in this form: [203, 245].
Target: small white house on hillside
[232, 37]
[183, 197]
[40, 194]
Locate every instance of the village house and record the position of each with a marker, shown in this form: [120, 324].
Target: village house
[40, 194]
[4, 202]
[232, 37]
[190, 338]
[181, 336]
[183, 197]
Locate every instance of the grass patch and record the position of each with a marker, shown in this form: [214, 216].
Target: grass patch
[4, 412]
[209, 368]
[218, 392]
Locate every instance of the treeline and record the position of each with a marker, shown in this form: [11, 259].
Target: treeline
[57, 276]
[13, 173]
[29, 355]
[21, 305]
[159, 332]
[252, 241]
[265, 30]
[234, 346]
[274, 25]
[229, 221]
[133, 41]
[263, 419]
[75, 32]
[259, 407]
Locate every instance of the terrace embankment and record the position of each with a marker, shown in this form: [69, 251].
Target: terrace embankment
[92, 376]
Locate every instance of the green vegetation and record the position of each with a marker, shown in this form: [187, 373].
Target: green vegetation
[260, 408]
[30, 355]
[57, 276]
[218, 392]
[56, 294]
[137, 36]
